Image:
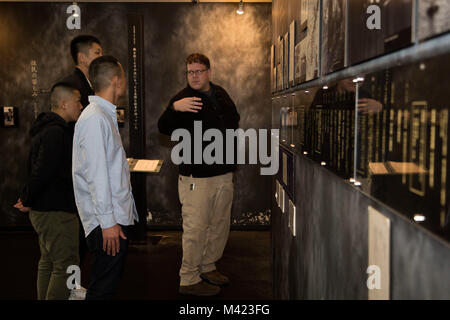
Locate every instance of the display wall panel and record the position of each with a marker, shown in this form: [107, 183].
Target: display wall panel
[333, 35]
[410, 174]
[392, 123]
[397, 24]
[313, 40]
[363, 43]
[402, 136]
[433, 18]
[395, 29]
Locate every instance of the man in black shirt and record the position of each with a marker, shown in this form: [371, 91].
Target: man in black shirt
[205, 190]
[84, 49]
[48, 193]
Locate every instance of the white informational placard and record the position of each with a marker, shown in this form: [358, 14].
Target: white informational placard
[143, 165]
[378, 272]
[292, 217]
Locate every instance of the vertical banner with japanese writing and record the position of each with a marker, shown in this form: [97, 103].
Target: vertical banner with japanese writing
[35, 86]
[137, 115]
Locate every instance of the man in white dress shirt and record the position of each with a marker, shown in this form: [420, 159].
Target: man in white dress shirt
[101, 179]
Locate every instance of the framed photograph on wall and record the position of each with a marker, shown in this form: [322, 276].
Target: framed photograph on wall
[9, 117]
[120, 116]
[292, 53]
[282, 62]
[286, 61]
[272, 65]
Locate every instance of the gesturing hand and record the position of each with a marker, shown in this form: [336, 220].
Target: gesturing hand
[370, 106]
[111, 241]
[191, 104]
[19, 205]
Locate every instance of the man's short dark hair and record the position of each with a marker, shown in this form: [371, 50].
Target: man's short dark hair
[102, 70]
[82, 44]
[60, 90]
[198, 58]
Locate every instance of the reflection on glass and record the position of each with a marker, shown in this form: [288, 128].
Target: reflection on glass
[402, 136]
[405, 144]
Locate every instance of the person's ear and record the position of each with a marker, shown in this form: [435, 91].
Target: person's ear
[63, 104]
[80, 58]
[115, 82]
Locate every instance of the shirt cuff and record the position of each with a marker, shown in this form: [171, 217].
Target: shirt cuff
[107, 221]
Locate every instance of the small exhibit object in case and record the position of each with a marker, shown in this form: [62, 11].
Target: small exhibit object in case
[120, 116]
[9, 117]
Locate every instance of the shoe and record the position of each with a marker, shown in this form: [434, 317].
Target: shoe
[215, 277]
[201, 289]
[78, 294]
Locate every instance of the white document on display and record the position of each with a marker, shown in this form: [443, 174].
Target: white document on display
[143, 165]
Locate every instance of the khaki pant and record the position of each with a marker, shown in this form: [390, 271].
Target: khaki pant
[206, 211]
[58, 242]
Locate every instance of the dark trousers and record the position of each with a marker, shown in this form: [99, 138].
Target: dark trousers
[106, 270]
[82, 247]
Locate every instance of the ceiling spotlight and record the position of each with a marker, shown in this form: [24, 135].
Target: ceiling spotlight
[241, 8]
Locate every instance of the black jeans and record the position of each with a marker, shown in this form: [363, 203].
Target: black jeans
[106, 270]
[82, 247]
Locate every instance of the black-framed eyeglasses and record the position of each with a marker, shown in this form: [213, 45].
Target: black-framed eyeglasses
[195, 72]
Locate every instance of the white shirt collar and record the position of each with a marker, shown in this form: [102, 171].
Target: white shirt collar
[105, 104]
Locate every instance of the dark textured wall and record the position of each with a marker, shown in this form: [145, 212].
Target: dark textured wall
[328, 258]
[37, 31]
[239, 48]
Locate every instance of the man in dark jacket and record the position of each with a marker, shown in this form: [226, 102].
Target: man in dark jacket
[205, 190]
[48, 192]
[84, 49]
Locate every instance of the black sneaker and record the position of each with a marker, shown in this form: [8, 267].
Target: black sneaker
[201, 289]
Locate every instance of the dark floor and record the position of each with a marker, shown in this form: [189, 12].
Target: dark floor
[151, 271]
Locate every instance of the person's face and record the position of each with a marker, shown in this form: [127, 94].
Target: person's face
[72, 106]
[200, 77]
[94, 52]
[347, 85]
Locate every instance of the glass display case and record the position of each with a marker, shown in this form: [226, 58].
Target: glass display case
[400, 131]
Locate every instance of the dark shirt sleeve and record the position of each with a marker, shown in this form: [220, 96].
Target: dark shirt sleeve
[234, 113]
[45, 165]
[169, 120]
